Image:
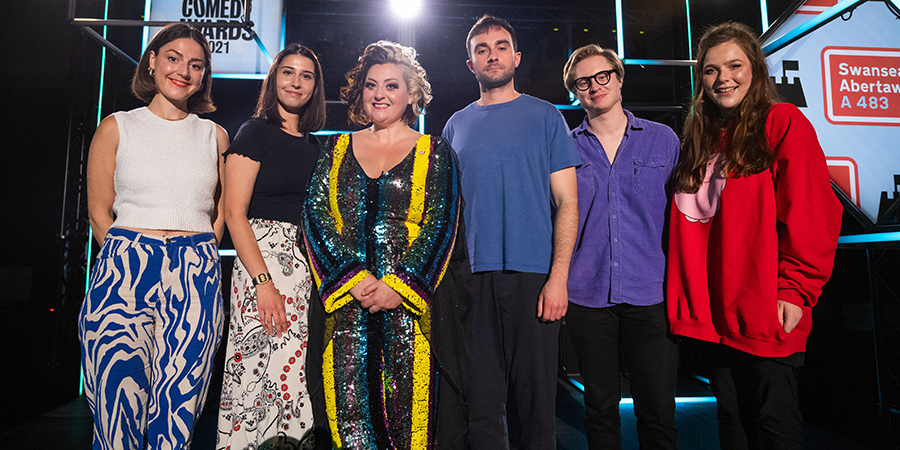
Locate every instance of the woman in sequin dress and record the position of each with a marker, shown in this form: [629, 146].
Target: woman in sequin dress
[265, 402]
[381, 221]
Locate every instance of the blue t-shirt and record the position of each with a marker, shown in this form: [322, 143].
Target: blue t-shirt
[506, 155]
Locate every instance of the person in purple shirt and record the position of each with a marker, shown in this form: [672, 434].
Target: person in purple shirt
[616, 274]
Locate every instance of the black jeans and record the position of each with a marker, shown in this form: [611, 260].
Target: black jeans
[756, 399]
[640, 334]
[511, 348]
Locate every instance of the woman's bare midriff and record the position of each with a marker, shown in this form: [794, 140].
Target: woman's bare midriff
[161, 233]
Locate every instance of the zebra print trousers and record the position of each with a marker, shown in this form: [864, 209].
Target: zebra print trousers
[149, 328]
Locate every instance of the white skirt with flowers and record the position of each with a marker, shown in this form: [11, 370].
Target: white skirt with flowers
[265, 403]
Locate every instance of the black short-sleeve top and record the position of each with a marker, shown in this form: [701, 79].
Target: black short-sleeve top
[286, 163]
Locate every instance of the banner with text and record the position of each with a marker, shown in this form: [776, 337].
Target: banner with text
[845, 77]
[234, 51]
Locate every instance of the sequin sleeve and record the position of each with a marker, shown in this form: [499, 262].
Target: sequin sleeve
[335, 267]
[431, 223]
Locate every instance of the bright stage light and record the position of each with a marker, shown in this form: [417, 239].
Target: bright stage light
[406, 9]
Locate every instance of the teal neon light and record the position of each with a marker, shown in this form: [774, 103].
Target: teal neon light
[657, 62]
[90, 243]
[240, 76]
[283, 27]
[687, 9]
[628, 401]
[893, 236]
[764, 12]
[620, 33]
[329, 132]
[810, 25]
[146, 35]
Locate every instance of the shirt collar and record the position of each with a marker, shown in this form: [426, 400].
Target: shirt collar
[634, 123]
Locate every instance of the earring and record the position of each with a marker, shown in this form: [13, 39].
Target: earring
[150, 69]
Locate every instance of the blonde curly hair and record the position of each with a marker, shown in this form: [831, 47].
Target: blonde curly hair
[387, 52]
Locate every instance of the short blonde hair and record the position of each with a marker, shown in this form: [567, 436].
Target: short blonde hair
[386, 52]
[586, 52]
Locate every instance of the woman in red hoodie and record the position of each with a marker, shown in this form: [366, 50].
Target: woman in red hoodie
[754, 227]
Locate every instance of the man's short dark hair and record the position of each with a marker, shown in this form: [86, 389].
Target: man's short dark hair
[485, 24]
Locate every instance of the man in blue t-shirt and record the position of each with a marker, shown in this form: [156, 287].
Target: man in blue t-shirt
[516, 157]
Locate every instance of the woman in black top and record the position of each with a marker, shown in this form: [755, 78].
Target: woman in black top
[264, 395]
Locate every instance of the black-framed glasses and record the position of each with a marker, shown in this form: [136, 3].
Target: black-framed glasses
[601, 78]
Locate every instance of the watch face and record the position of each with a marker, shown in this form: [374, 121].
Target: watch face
[261, 278]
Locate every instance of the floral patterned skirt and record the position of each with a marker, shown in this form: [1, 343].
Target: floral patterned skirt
[265, 403]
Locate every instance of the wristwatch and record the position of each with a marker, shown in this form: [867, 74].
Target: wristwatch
[261, 278]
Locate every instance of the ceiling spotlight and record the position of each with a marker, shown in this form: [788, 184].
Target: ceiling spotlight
[406, 9]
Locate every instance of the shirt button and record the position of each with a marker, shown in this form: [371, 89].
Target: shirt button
[613, 216]
[615, 240]
[616, 264]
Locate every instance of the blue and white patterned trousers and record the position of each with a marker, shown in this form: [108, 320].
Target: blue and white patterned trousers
[149, 328]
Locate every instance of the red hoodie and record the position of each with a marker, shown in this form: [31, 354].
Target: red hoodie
[740, 244]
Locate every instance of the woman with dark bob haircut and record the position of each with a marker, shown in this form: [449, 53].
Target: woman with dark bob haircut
[152, 317]
[753, 231]
[381, 223]
[265, 402]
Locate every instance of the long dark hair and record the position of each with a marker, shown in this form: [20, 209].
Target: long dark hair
[750, 152]
[312, 114]
[144, 87]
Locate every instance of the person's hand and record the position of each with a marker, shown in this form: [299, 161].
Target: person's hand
[357, 291]
[270, 307]
[554, 300]
[789, 315]
[379, 296]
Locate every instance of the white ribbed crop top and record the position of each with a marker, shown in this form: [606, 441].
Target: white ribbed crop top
[166, 172]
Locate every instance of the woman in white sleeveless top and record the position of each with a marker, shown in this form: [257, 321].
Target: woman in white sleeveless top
[152, 317]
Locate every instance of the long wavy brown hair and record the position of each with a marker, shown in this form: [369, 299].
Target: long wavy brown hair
[749, 153]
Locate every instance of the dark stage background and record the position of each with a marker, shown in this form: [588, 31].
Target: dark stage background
[50, 81]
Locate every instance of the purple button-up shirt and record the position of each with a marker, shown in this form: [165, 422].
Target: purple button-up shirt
[619, 257]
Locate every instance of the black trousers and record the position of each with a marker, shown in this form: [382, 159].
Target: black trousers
[640, 335]
[512, 349]
[756, 398]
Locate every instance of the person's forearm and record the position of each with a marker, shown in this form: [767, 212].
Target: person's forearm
[565, 231]
[245, 243]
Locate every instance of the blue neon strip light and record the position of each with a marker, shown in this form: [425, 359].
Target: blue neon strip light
[146, 35]
[328, 132]
[620, 33]
[283, 27]
[690, 40]
[803, 29]
[893, 236]
[658, 62]
[628, 401]
[262, 48]
[240, 76]
[764, 12]
[90, 243]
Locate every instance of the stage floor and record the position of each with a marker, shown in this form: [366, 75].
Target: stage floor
[69, 426]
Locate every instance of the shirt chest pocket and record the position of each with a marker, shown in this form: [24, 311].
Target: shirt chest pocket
[650, 176]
